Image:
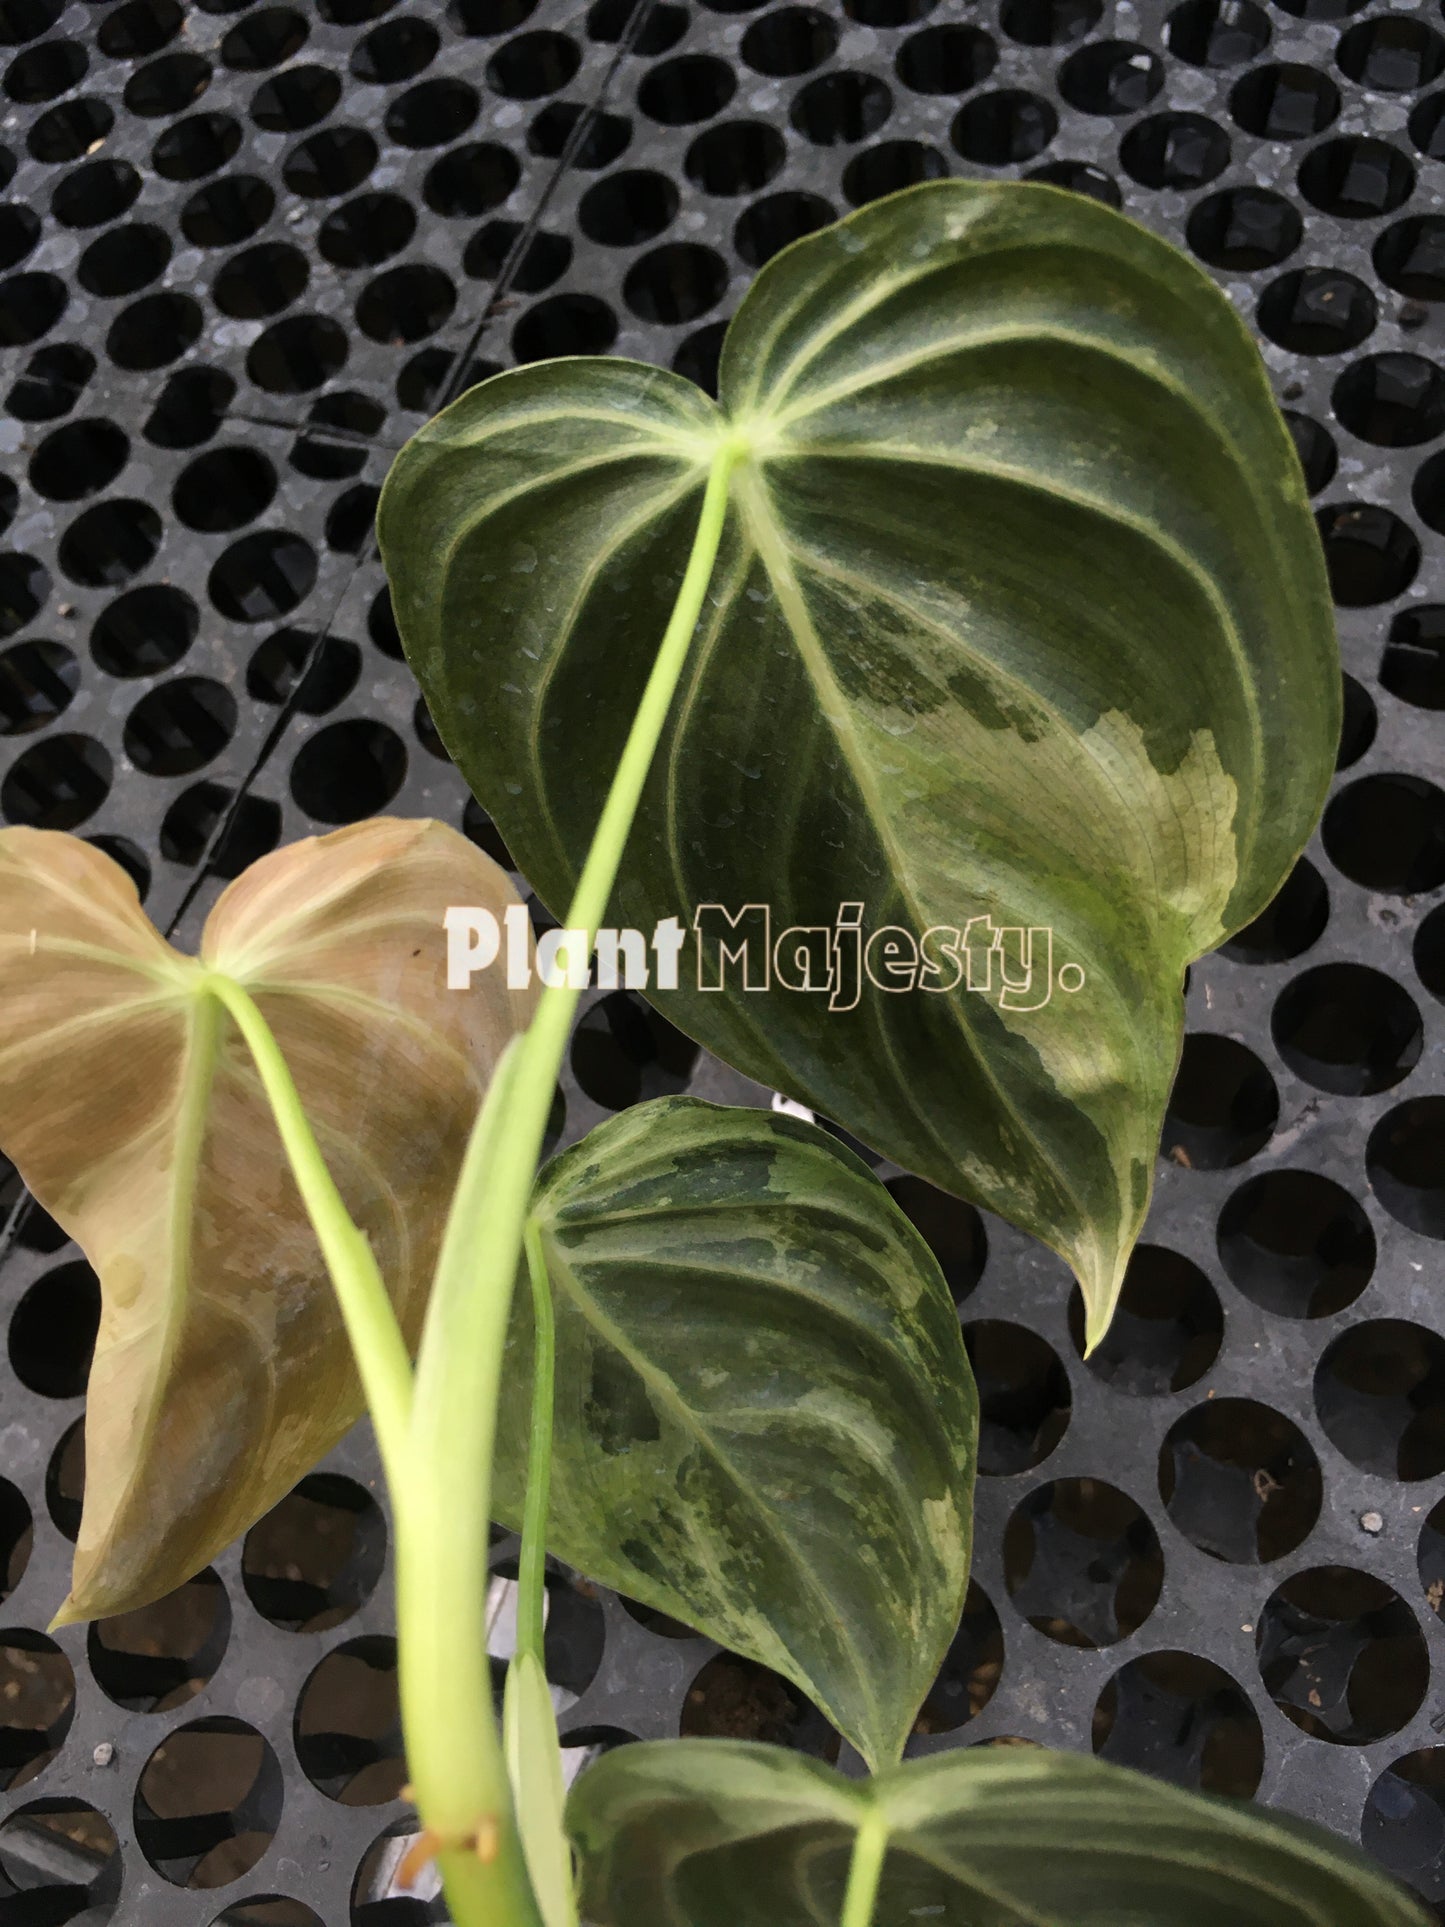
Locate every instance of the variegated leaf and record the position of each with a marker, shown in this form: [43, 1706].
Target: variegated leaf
[765, 1421]
[1020, 630]
[130, 1105]
[709, 1833]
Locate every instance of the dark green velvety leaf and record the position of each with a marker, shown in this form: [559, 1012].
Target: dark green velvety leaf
[765, 1421]
[710, 1833]
[1020, 616]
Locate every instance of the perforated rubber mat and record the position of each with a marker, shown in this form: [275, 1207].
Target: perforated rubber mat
[246, 249]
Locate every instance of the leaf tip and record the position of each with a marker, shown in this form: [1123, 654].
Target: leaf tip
[1101, 1300]
[1100, 1264]
[1099, 1317]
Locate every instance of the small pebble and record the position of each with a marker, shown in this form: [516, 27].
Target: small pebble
[1371, 1522]
[103, 1754]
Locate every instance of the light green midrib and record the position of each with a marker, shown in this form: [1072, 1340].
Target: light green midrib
[1074, 1802]
[1032, 333]
[585, 1214]
[270, 941]
[1037, 484]
[44, 1042]
[706, 1268]
[547, 668]
[765, 536]
[347, 1152]
[158, 972]
[164, 965]
[873, 296]
[249, 968]
[1133, 1014]
[1082, 1846]
[560, 1268]
[490, 505]
[739, 1013]
[205, 1034]
[333, 995]
[573, 1209]
[1023, 1914]
[520, 419]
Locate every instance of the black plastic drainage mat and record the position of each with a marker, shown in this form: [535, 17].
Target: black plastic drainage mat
[246, 249]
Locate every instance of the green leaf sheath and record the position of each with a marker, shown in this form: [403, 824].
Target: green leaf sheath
[765, 1421]
[1019, 614]
[709, 1833]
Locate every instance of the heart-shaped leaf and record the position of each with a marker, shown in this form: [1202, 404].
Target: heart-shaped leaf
[129, 1103]
[765, 1423]
[1019, 635]
[708, 1833]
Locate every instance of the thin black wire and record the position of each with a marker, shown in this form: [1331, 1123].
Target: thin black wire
[455, 385]
[24, 1207]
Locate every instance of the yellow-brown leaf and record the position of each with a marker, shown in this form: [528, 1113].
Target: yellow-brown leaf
[129, 1103]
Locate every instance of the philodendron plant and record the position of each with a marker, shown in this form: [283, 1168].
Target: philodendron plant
[948, 686]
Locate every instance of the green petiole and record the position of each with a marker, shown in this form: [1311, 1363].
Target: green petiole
[870, 1845]
[532, 1570]
[371, 1324]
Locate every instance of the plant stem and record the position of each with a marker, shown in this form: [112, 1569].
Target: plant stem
[453, 1751]
[366, 1309]
[492, 1890]
[870, 1845]
[532, 1569]
[459, 1772]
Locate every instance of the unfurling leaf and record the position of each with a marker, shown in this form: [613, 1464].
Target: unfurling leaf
[130, 1105]
[534, 1767]
[1019, 631]
[765, 1421]
[710, 1833]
